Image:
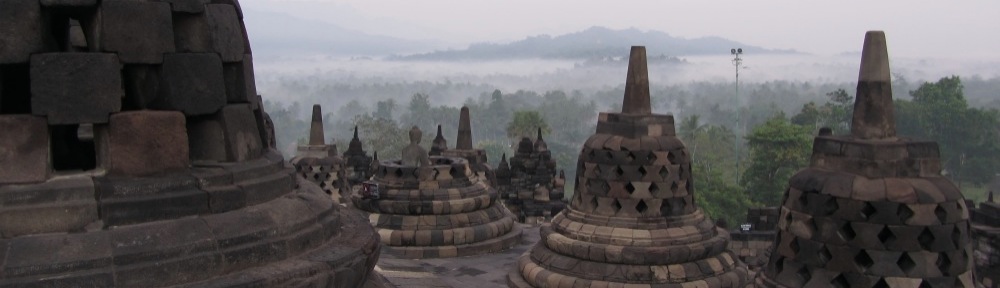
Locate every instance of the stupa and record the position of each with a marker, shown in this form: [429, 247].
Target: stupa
[319, 163]
[632, 220]
[134, 153]
[872, 210]
[436, 206]
[986, 241]
[464, 149]
[358, 162]
[529, 185]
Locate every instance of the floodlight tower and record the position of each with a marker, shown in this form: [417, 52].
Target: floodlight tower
[737, 61]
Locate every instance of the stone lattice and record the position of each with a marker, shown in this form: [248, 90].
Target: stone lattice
[529, 184]
[443, 209]
[135, 153]
[986, 241]
[872, 210]
[319, 163]
[632, 220]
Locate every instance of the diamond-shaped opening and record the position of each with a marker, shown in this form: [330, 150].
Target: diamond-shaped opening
[681, 172]
[651, 157]
[830, 206]
[629, 156]
[618, 205]
[619, 171]
[779, 264]
[904, 212]
[671, 158]
[630, 188]
[322, 168]
[398, 172]
[881, 284]
[863, 260]
[664, 172]
[926, 238]
[840, 282]
[653, 188]
[641, 207]
[593, 202]
[941, 214]
[927, 284]
[804, 198]
[315, 176]
[943, 263]
[956, 236]
[607, 187]
[804, 274]
[794, 245]
[868, 210]
[886, 235]
[592, 154]
[642, 171]
[609, 155]
[436, 173]
[906, 263]
[673, 187]
[825, 255]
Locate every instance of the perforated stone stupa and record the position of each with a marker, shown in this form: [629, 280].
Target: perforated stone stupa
[464, 149]
[319, 163]
[437, 206]
[134, 153]
[529, 185]
[632, 219]
[872, 210]
[359, 164]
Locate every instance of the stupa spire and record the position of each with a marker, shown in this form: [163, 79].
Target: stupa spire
[637, 84]
[316, 127]
[874, 116]
[464, 141]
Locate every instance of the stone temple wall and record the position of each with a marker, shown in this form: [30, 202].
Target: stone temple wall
[135, 153]
[986, 241]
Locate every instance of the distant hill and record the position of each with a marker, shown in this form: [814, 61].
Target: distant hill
[595, 42]
[274, 34]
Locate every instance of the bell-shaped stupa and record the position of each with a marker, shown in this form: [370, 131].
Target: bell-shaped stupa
[872, 210]
[632, 219]
[436, 206]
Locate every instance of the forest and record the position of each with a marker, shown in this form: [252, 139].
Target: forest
[743, 148]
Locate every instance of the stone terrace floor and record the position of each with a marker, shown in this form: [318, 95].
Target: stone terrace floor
[480, 271]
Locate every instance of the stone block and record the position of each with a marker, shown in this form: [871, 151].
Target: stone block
[227, 34]
[68, 3]
[206, 139]
[24, 31]
[142, 85]
[127, 200]
[60, 253]
[122, 22]
[191, 32]
[24, 149]
[183, 250]
[58, 205]
[191, 83]
[75, 88]
[243, 140]
[240, 84]
[144, 143]
[187, 6]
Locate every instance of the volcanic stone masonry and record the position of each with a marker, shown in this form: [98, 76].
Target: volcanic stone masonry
[986, 237]
[437, 207]
[135, 153]
[872, 210]
[319, 163]
[463, 148]
[359, 164]
[529, 185]
[632, 220]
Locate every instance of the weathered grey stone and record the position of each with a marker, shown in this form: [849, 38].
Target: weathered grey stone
[240, 82]
[413, 154]
[227, 35]
[68, 3]
[243, 140]
[186, 6]
[57, 205]
[26, 142]
[464, 140]
[123, 21]
[75, 88]
[144, 143]
[191, 83]
[23, 31]
[873, 110]
[636, 100]
[207, 139]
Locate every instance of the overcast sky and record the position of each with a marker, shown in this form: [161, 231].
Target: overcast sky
[914, 28]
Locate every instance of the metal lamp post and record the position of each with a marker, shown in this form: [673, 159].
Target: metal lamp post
[737, 61]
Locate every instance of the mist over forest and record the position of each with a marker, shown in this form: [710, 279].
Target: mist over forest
[512, 91]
